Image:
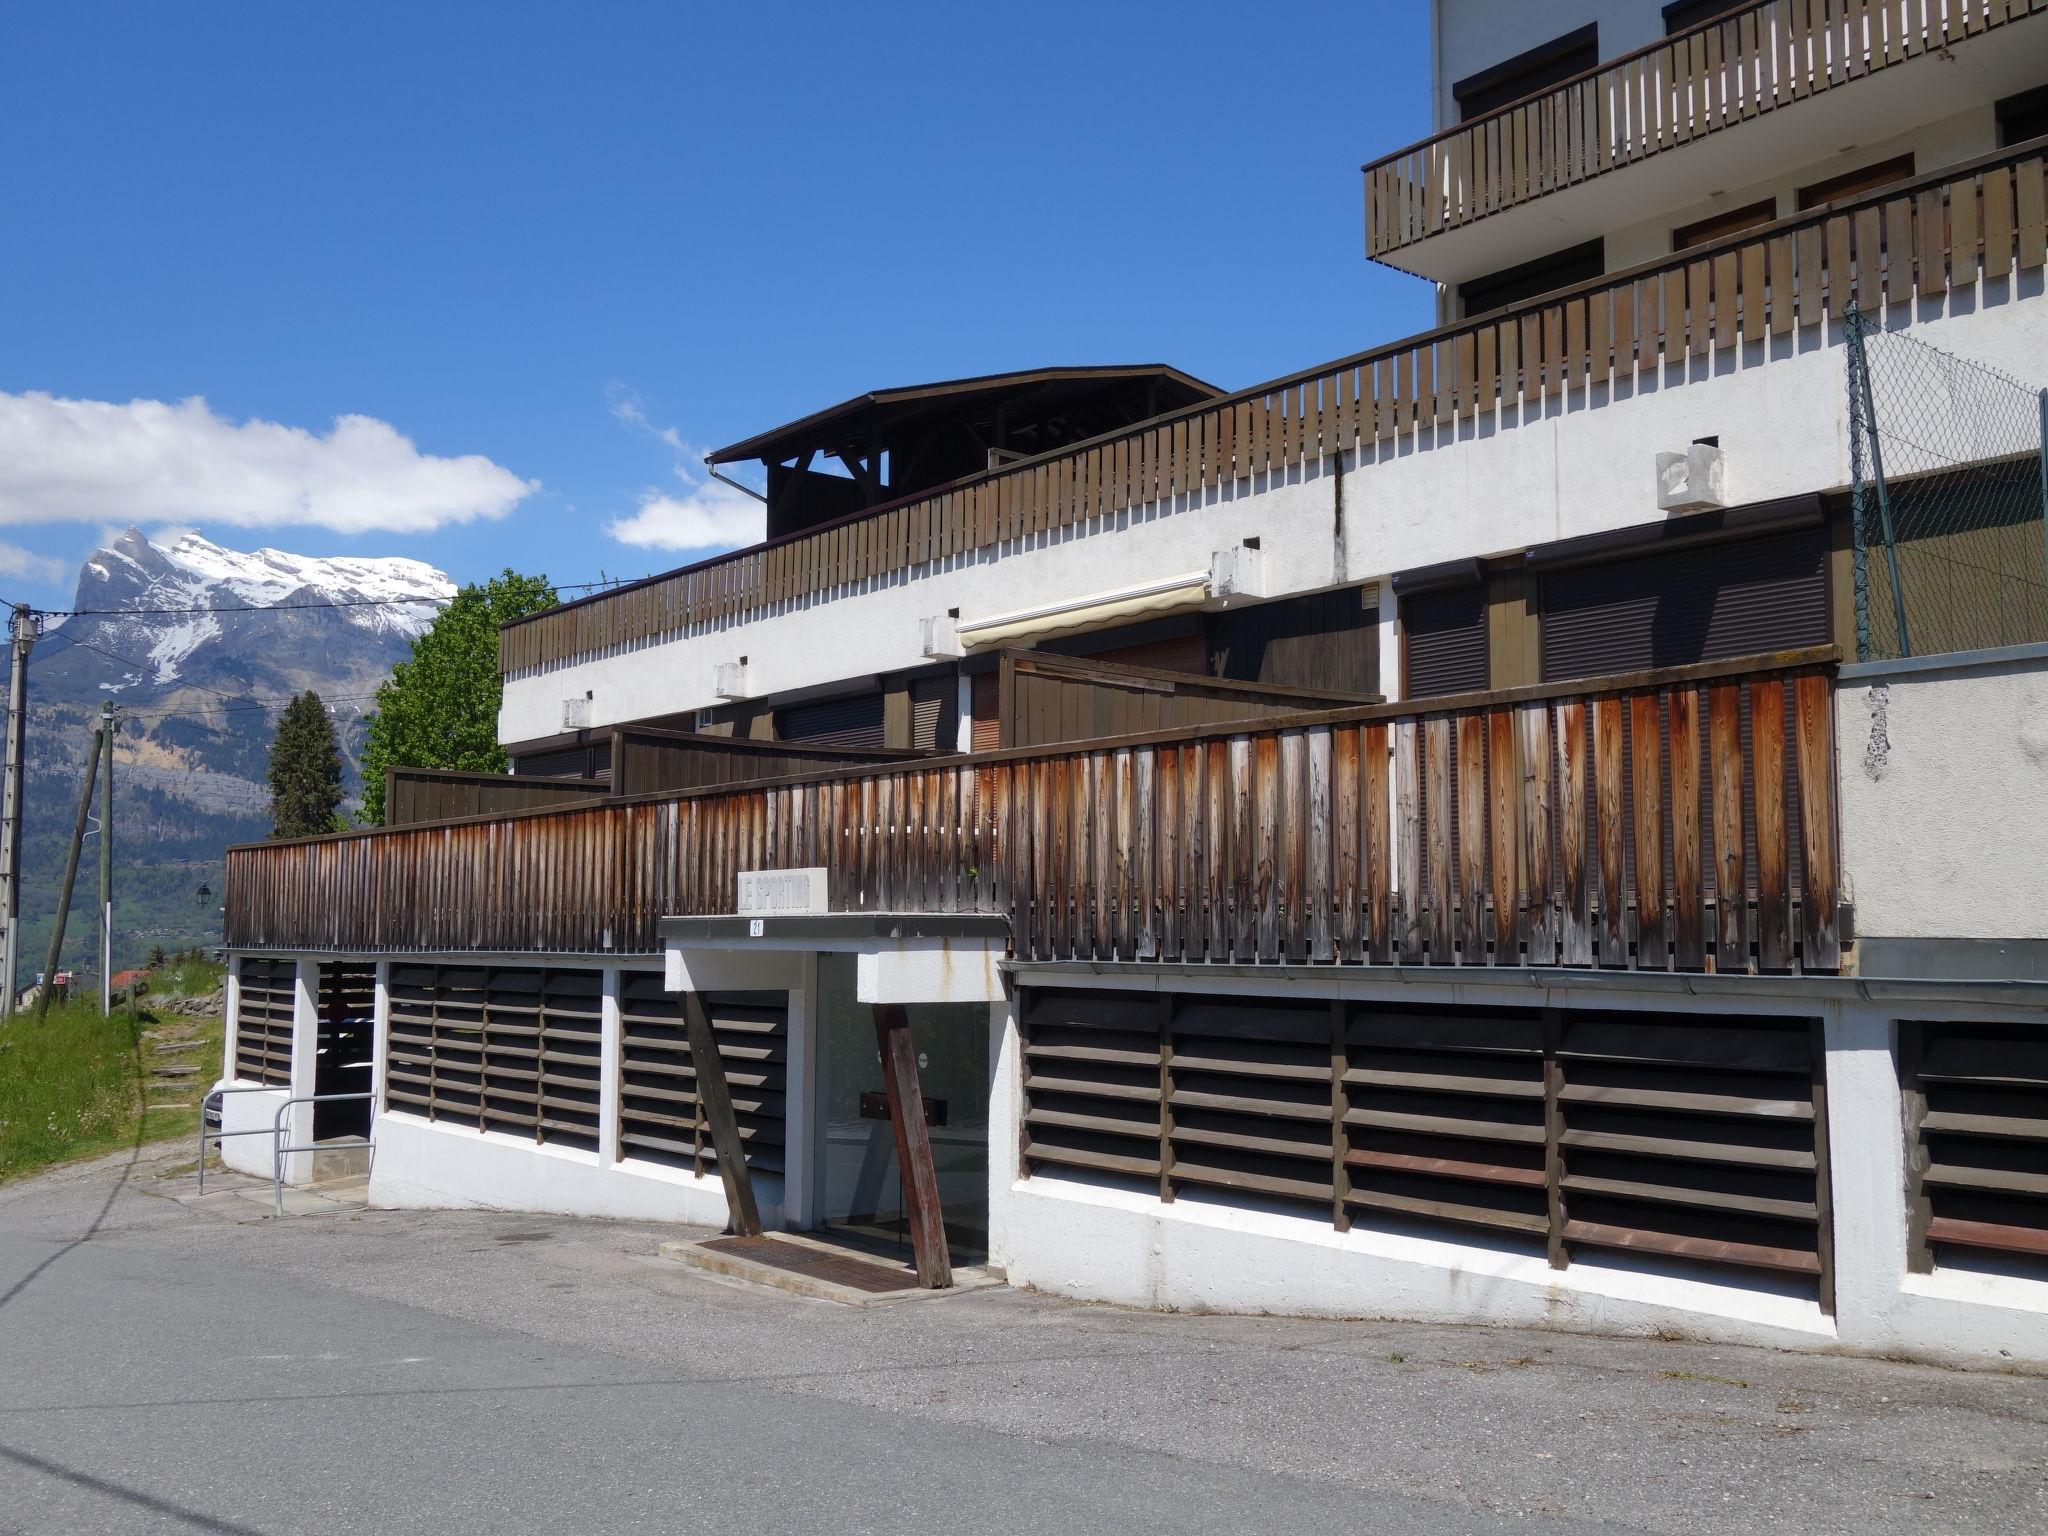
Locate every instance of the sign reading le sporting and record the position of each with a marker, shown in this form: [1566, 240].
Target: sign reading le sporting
[781, 893]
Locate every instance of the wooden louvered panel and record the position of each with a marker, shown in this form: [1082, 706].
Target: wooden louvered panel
[1445, 1112]
[1248, 1095]
[263, 1020]
[1976, 1097]
[1696, 1138]
[1693, 1138]
[1092, 1082]
[509, 1049]
[660, 1118]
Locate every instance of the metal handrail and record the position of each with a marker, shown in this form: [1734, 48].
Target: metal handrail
[219, 1134]
[282, 1148]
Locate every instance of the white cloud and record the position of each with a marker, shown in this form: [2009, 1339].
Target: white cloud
[16, 561]
[707, 516]
[147, 461]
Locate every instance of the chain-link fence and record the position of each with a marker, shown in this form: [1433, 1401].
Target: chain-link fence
[1948, 474]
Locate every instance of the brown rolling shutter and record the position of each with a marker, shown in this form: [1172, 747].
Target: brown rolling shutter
[1445, 634]
[852, 721]
[1705, 603]
[987, 726]
[934, 713]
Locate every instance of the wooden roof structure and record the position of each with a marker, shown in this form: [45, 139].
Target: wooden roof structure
[892, 443]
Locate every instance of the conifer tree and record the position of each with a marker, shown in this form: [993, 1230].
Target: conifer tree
[305, 770]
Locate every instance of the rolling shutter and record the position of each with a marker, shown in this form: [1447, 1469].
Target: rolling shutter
[1706, 603]
[854, 720]
[934, 713]
[987, 729]
[1446, 641]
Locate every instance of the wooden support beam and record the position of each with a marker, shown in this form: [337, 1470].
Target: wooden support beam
[913, 1147]
[716, 1099]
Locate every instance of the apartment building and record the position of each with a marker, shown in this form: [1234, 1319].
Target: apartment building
[1429, 836]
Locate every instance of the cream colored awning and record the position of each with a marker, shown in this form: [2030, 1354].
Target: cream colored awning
[1171, 594]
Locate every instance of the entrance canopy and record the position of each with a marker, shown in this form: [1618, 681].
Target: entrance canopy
[901, 957]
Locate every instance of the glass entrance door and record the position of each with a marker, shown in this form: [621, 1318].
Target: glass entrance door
[860, 1188]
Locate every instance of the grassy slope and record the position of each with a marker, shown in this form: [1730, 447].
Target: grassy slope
[75, 1085]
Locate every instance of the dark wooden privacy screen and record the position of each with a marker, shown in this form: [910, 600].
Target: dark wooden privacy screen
[647, 762]
[1908, 243]
[413, 795]
[1690, 1136]
[1977, 1140]
[659, 1116]
[1045, 700]
[497, 1048]
[1681, 88]
[263, 1020]
[1527, 827]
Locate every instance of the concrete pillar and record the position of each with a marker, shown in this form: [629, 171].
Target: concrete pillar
[609, 1055]
[380, 1049]
[800, 1101]
[1005, 1123]
[1867, 1171]
[305, 1062]
[232, 1005]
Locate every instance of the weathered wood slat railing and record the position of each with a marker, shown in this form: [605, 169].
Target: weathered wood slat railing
[1678, 89]
[1907, 244]
[1530, 827]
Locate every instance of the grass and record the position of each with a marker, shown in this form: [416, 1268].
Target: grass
[75, 1085]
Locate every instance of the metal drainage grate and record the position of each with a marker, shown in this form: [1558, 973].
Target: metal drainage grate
[834, 1268]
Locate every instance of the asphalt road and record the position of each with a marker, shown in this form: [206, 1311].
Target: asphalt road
[171, 1368]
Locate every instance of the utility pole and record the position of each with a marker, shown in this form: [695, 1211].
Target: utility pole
[92, 773]
[106, 857]
[26, 624]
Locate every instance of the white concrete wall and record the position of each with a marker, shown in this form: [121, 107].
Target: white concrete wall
[439, 1166]
[1203, 1253]
[249, 1112]
[1944, 785]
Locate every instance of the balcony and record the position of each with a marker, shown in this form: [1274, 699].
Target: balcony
[1652, 132]
[1682, 820]
[1758, 297]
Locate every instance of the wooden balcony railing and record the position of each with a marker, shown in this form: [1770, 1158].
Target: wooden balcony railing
[1677, 90]
[1662, 821]
[1912, 241]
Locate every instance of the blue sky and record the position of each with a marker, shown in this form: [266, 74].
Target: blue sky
[548, 253]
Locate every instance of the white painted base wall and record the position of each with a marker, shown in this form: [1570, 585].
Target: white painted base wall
[1201, 1254]
[420, 1165]
[249, 1112]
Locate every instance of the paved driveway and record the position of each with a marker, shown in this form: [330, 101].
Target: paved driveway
[185, 1369]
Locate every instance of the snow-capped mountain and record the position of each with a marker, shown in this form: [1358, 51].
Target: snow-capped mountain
[197, 695]
[389, 600]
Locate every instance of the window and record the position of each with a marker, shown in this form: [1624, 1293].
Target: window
[854, 720]
[1684, 15]
[2023, 117]
[1445, 641]
[497, 1049]
[1543, 66]
[1719, 226]
[1704, 603]
[263, 1020]
[1546, 274]
[660, 1117]
[1855, 183]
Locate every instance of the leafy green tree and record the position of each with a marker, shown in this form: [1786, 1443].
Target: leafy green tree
[305, 770]
[440, 709]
